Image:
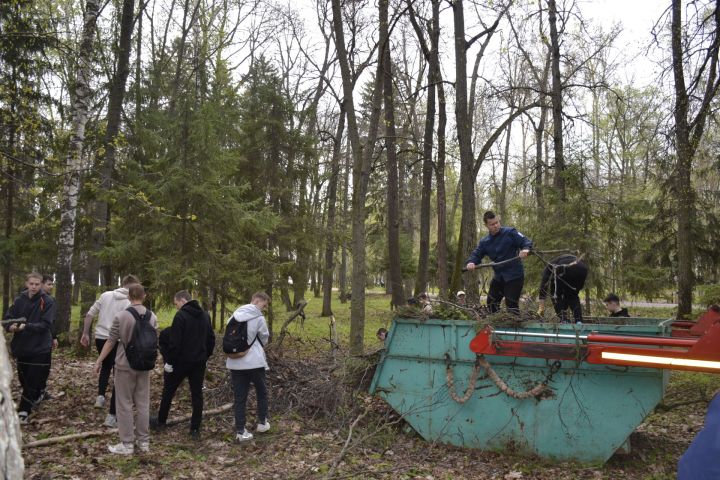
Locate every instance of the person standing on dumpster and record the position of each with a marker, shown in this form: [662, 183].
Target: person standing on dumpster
[562, 279]
[500, 244]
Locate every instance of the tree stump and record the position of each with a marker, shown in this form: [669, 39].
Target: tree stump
[12, 465]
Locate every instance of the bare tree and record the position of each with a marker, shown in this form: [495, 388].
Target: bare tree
[362, 159]
[331, 209]
[559, 178]
[393, 207]
[692, 107]
[101, 217]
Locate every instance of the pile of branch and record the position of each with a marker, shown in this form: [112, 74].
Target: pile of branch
[318, 384]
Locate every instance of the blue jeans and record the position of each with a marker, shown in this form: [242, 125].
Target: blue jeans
[241, 380]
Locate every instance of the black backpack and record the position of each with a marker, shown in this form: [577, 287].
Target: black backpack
[235, 339]
[141, 352]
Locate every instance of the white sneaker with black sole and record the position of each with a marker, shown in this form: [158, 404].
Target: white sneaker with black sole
[23, 417]
[122, 449]
[244, 437]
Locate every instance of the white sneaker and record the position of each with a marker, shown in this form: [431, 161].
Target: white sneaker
[244, 437]
[23, 417]
[143, 446]
[122, 449]
[263, 427]
[100, 402]
[110, 421]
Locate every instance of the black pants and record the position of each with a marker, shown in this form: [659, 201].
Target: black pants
[33, 372]
[43, 387]
[567, 299]
[105, 371]
[241, 380]
[195, 373]
[510, 290]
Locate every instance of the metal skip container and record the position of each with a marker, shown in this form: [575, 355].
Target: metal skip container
[587, 413]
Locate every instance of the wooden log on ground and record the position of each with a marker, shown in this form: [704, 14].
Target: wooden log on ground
[12, 465]
[100, 433]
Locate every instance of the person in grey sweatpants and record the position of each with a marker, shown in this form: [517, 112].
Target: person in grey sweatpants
[132, 387]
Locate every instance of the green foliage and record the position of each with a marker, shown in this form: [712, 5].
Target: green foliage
[709, 294]
[26, 141]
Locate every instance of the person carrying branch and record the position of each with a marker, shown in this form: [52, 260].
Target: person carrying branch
[562, 279]
[500, 245]
[31, 344]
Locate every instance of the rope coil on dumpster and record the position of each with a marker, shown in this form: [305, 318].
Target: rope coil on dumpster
[480, 361]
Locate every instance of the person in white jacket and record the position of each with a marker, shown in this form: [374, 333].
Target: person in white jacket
[251, 367]
[105, 308]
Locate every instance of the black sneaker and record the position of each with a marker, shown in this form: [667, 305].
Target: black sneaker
[195, 434]
[155, 425]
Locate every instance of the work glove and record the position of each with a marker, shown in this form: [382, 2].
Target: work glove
[168, 368]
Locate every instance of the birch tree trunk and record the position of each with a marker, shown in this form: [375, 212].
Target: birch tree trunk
[73, 168]
[11, 460]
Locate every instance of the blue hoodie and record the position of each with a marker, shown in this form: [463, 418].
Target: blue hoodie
[503, 246]
[701, 461]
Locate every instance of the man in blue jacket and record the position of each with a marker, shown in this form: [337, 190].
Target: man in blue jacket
[32, 341]
[501, 244]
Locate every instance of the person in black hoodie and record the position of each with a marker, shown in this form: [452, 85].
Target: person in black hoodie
[612, 304]
[187, 347]
[32, 341]
[563, 279]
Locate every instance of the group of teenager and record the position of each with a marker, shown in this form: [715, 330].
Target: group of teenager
[562, 279]
[185, 347]
[189, 342]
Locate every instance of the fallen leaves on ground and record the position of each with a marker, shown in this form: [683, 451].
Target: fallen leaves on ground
[303, 446]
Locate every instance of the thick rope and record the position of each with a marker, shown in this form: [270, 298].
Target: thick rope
[503, 387]
[536, 391]
[471, 385]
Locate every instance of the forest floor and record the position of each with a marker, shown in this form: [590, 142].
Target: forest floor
[313, 405]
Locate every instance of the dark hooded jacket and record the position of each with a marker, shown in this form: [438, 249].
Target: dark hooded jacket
[623, 312]
[192, 339]
[36, 337]
[164, 343]
[570, 277]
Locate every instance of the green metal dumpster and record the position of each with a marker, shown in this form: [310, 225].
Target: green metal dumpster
[589, 413]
